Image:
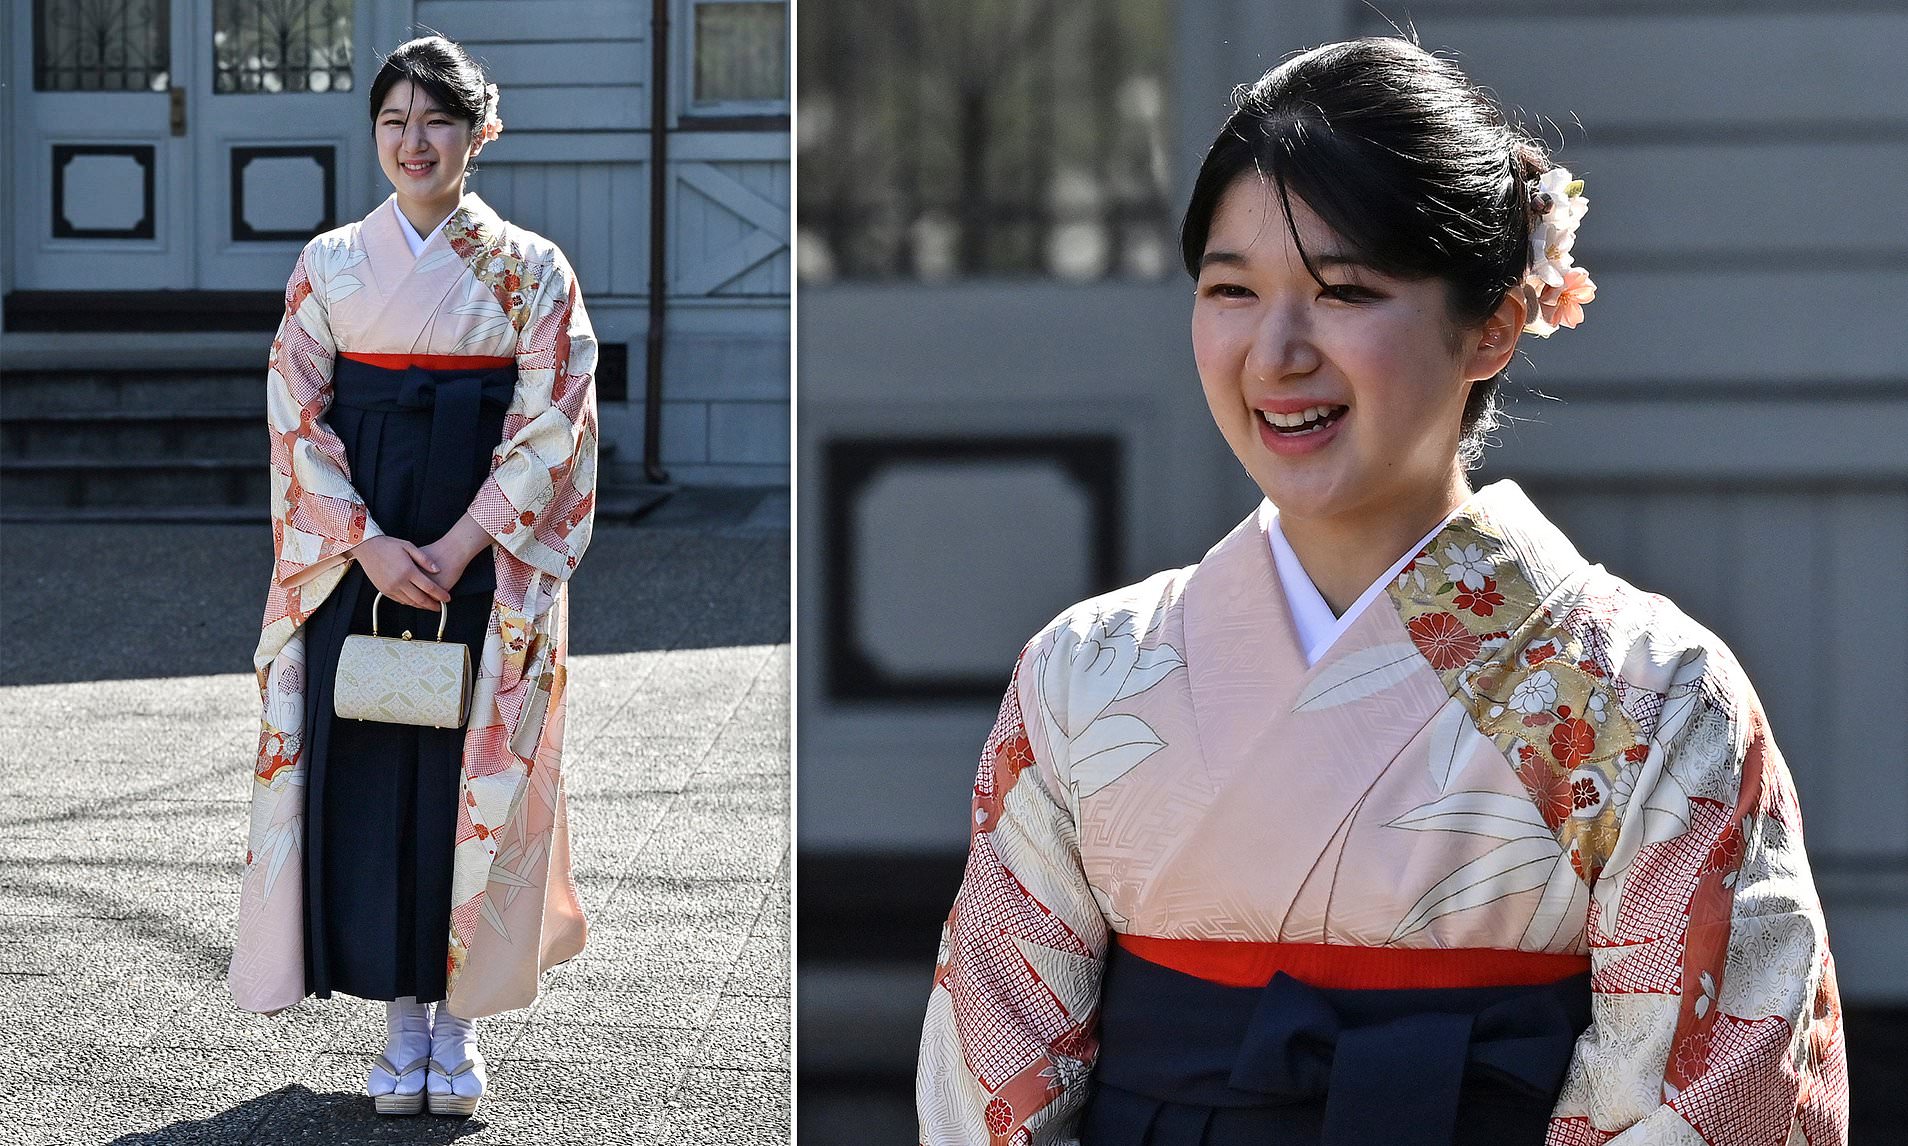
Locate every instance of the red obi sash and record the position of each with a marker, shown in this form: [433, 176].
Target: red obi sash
[1333, 966]
[429, 361]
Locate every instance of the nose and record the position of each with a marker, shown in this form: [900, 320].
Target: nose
[1282, 347]
[413, 137]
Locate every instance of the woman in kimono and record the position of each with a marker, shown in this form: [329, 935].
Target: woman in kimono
[1393, 820]
[433, 429]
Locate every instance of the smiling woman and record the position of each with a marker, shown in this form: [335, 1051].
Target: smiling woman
[433, 423]
[1393, 819]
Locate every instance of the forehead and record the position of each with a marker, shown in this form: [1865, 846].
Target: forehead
[1250, 221]
[407, 96]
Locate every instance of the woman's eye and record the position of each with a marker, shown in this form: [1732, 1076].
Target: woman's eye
[1349, 292]
[1228, 290]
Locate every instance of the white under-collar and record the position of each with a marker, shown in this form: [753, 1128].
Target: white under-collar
[1318, 630]
[411, 238]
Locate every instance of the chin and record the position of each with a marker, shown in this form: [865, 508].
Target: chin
[1304, 495]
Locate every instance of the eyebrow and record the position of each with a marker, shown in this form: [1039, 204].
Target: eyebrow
[1321, 260]
[396, 110]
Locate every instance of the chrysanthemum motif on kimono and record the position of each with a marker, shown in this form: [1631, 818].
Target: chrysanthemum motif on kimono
[1537, 689]
[498, 263]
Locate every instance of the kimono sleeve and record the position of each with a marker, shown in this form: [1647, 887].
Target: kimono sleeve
[540, 499]
[1715, 1014]
[317, 515]
[1010, 1036]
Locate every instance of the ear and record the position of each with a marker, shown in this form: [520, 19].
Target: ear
[1499, 338]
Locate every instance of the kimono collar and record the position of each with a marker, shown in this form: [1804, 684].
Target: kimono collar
[1235, 600]
[473, 228]
[1508, 531]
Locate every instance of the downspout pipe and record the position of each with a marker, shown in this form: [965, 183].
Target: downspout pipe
[658, 239]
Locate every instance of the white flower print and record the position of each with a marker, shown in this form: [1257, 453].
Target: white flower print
[1414, 572]
[1083, 674]
[1535, 693]
[1467, 566]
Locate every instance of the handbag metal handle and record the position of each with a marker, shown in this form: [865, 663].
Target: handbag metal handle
[443, 617]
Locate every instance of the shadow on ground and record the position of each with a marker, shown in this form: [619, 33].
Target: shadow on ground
[299, 1113]
[708, 569]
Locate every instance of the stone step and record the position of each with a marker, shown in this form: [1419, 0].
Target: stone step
[30, 393]
[90, 483]
[236, 434]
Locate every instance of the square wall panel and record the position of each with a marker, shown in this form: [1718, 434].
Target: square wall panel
[945, 556]
[283, 194]
[103, 191]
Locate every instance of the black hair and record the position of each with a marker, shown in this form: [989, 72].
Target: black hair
[443, 69]
[1410, 163]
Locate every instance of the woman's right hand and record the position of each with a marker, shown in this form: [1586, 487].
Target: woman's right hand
[400, 571]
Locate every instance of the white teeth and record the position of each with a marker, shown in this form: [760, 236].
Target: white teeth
[1303, 417]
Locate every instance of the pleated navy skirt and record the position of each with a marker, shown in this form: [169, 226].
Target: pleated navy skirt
[381, 799]
[1186, 1062]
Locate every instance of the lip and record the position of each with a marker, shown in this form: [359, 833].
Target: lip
[429, 165]
[1292, 447]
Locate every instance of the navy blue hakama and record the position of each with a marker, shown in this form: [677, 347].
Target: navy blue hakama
[381, 799]
[1187, 1062]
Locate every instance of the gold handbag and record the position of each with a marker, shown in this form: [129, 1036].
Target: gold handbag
[401, 681]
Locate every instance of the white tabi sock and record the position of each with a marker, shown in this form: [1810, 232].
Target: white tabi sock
[407, 1026]
[453, 1043]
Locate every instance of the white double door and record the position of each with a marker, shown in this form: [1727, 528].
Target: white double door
[185, 144]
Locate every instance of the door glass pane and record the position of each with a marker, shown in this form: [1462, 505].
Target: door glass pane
[985, 139]
[741, 53]
[101, 45]
[261, 46]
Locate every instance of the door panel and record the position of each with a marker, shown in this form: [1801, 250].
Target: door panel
[98, 173]
[185, 144]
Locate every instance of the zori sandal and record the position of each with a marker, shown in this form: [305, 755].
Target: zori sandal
[394, 1090]
[444, 1094]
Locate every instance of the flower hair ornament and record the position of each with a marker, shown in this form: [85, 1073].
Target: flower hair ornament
[492, 126]
[1555, 287]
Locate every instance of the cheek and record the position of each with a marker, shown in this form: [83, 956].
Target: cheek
[1216, 350]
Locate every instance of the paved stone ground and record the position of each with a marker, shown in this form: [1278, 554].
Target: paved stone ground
[126, 731]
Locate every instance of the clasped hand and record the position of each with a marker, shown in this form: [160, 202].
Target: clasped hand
[421, 576]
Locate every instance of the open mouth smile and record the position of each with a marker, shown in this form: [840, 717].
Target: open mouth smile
[1312, 420]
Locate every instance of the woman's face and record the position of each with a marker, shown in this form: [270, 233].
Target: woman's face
[423, 149]
[1341, 403]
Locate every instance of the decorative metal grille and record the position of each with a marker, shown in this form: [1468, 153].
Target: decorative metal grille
[990, 137]
[263, 46]
[102, 45]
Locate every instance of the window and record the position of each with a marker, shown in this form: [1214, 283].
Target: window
[265, 46]
[101, 45]
[947, 140]
[739, 63]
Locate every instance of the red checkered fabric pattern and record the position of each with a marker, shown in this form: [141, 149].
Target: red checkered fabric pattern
[1013, 1026]
[1658, 886]
[1746, 1095]
[1575, 1132]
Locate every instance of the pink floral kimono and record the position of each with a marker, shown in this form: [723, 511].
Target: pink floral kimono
[1511, 757]
[481, 288]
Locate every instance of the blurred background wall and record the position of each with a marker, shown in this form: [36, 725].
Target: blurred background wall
[999, 413]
